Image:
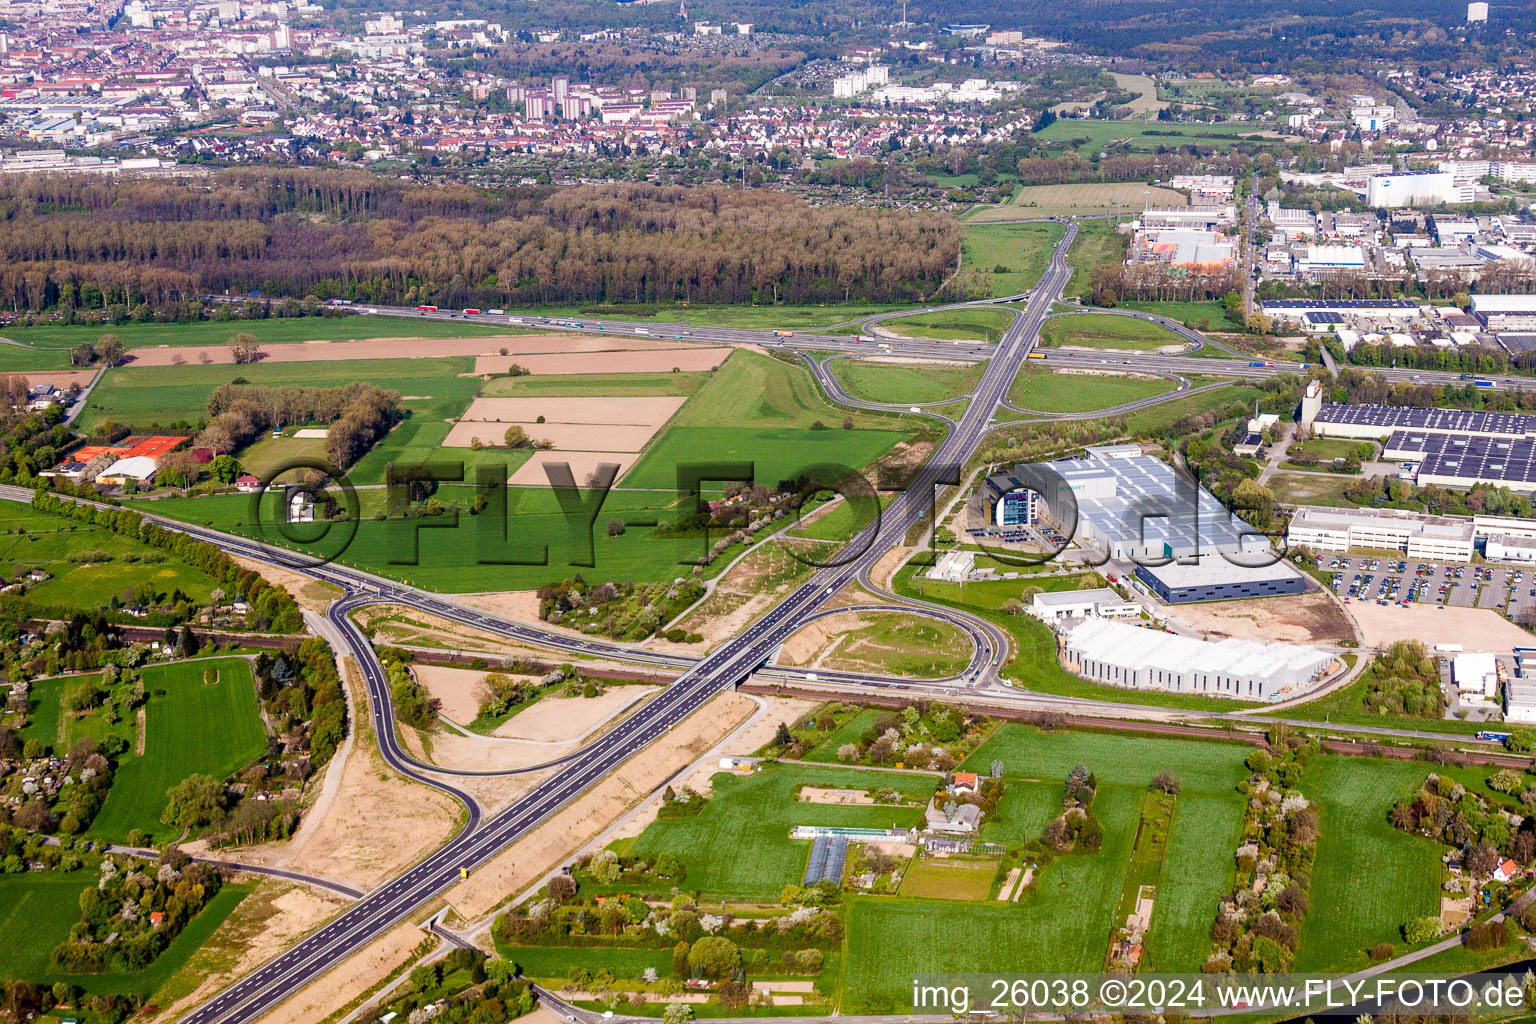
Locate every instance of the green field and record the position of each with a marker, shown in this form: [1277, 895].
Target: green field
[1311, 488]
[1043, 390]
[618, 385]
[1198, 316]
[1022, 251]
[763, 410]
[477, 553]
[1061, 923]
[1106, 330]
[751, 817]
[1159, 418]
[911, 646]
[1370, 878]
[898, 383]
[275, 331]
[1147, 136]
[47, 722]
[143, 396]
[32, 540]
[985, 325]
[37, 910]
[1097, 243]
[192, 728]
[1034, 665]
[1206, 831]
[1081, 200]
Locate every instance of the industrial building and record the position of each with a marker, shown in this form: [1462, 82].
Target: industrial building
[1465, 462]
[1392, 191]
[1520, 688]
[1505, 312]
[1435, 538]
[1213, 578]
[1416, 534]
[1380, 422]
[1136, 508]
[1101, 602]
[1145, 659]
[1297, 309]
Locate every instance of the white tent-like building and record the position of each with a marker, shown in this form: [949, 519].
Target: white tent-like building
[1145, 659]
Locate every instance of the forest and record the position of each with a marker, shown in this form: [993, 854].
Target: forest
[118, 247]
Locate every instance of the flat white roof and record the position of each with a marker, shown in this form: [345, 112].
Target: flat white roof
[1067, 598]
[1504, 303]
[1133, 646]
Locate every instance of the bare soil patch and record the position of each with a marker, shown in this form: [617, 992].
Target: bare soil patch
[1477, 629]
[565, 720]
[543, 849]
[583, 466]
[820, 795]
[265, 923]
[1299, 619]
[389, 823]
[57, 378]
[882, 571]
[329, 351]
[455, 689]
[310, 594]
[349, 979]
[642, 410]
[562, 437]
[744, 592]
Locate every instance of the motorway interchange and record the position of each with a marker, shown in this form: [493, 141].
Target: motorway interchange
[485, 835]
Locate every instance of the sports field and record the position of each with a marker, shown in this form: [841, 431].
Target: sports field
[1081, 200]
[1014, 255]
[915, 382]
[90, 566]
[985, 325]
[192, 727]
[1107, 330]
[1045, 390]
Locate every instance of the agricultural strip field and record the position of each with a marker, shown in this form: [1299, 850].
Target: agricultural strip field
[1370, 879]
[1206, 830]
[985, 325]
[1047, 390]
[90, 566]
[917, 383]
[1014, 255]
[738, 846]
[621, 385]
[1108, 331]
[1083, 200]
[37, 910]
[763, 410]
[192, 727]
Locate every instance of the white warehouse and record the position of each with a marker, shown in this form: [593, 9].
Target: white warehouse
[1437, 538]
[1144, 659]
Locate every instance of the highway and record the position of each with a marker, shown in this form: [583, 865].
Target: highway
[484, 837]
[699, 680]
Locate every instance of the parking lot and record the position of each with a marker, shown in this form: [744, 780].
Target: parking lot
[1387, 580]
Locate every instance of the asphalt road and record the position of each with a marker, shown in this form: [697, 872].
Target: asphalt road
[483, 837]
